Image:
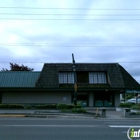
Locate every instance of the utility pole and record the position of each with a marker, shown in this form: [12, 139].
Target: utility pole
[75, 81]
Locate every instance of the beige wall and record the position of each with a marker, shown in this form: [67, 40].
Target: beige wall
[37, 97]
[47, 97]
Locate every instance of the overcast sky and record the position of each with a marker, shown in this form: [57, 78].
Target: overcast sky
[33, 32]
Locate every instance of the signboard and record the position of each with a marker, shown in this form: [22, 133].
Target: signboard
[132, 91]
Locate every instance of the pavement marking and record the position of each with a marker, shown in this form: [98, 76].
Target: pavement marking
[124, 126]
[50, 125]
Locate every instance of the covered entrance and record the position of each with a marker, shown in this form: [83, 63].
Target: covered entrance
[103, 99]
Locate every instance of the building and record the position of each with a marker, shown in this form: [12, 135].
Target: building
[98, 84]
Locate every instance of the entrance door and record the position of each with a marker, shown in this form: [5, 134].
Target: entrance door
[82, 98]
[103, 99]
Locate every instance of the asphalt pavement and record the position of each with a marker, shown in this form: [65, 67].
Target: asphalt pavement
[27, 128]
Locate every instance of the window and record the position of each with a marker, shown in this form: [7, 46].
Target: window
[66, 77]
[97, 78]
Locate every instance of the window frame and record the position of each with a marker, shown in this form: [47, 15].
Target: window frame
[96, 77]
[66, 78]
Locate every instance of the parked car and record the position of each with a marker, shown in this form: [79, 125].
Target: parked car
[133, 100]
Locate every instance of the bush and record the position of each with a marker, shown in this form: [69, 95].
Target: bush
[74, 110]
[53, 106]
[64, 110]
[137, 106]
[125, 105]
[81, 110]
[62, 106]
[28, 107]
[14, 106]
[70, 106]
[78, 106]
[46, 106]
[3, 106]
[78, 110]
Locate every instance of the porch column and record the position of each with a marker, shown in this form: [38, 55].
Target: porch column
[117, 99]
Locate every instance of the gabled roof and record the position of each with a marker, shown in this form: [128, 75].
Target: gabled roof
[18, 78]
[118, 77]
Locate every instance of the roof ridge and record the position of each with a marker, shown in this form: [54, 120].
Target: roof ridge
[82, 63]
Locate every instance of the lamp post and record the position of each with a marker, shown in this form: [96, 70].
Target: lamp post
[75, 81]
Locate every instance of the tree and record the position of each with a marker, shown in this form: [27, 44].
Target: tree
[16, 67]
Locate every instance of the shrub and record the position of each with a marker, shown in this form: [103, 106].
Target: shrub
[42, 106]
[11, 106]
[3, 106]
[137, 106]
[79, 110]
[126, 105]
[62, 106]
[15, 106]
[46, 106]
[53, 106]
[138, 113]
[78, 106]
[74, 110]
[70, 106]
[28, 107]
[63, 110]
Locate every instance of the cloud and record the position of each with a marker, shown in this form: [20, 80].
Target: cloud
[55, 40]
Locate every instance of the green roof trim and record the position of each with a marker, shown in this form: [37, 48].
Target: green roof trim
[18, 78]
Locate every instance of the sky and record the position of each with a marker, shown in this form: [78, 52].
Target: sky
[34, 32]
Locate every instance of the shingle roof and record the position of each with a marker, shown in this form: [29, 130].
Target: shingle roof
[118, 77]
[128, 80]
[18, 79]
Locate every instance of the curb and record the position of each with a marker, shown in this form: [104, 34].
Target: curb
[12, 115]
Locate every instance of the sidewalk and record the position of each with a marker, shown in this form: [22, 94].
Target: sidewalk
[110, 114]
[114, 114]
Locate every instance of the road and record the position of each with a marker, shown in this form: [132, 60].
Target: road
[65, 129]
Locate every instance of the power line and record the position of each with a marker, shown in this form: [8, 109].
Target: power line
[65, 8]
[69, 45]
[71, 14]
[66, 45]
[62, 19]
